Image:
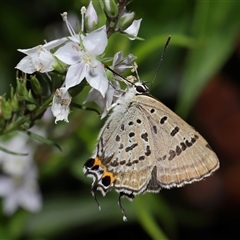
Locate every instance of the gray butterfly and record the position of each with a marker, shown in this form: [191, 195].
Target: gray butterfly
[144, 147]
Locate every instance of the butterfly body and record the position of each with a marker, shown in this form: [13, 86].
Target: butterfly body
[144, 146]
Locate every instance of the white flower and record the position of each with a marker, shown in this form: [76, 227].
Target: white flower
[20, 191]
[60, 105]
[16, 164]
[132, 30]
[104, 103]
[120, 64]
[83, 62]
[91, 17]
[18, 184]
[39, 58]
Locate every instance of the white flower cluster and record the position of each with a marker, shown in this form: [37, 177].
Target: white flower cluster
[18, 178]
[81, 54]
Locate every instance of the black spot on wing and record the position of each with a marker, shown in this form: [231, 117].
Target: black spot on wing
[163, 120]
[144, 136]
[130, 148]
[139, 121]
[152, 110]
[178, 150]
[172, 155]
[174, 131]
[117, 138]
[130, 123]
[122, 162]
[148, 151]
[131, 134]
[155, 129]
[121, 146]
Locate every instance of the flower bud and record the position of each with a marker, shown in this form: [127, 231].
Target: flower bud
[126, 20]
[36, 86]
[21, 89]
[14, 103]
[6, 108]
[31, 107]
[59, 66]
[26, 125]
[31, 102]
[110, 8]
[91, 18]
[109, 75]
[60, 105]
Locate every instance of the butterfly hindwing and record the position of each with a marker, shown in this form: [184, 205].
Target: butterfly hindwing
[126, 149]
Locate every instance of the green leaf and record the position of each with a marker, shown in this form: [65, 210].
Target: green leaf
[17, 224]
[42, 139]
[216, 25]
[63, 213]
[11, 152]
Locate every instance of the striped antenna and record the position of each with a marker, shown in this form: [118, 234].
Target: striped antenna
[161, 59]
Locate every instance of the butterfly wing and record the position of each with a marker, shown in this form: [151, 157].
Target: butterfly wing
[180, 153]
[144, 146]
[124, 149]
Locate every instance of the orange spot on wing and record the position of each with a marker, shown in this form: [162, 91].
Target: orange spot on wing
[110, 174]
[98, 162]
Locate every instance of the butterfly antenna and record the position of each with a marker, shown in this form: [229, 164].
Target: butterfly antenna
[161, 59]
[121, 207]
[125, 79]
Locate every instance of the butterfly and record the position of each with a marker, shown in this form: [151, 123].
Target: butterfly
[144, 147]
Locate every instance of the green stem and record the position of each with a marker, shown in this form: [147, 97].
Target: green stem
[147, 220]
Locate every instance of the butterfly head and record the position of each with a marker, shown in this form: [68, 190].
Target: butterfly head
[141, 88]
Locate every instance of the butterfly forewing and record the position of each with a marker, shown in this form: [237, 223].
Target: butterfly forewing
[181, 154]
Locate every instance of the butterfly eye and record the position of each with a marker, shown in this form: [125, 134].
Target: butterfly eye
[141, 88]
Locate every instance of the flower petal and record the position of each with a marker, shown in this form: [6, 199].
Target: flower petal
[5, 186]
[26, 65]
[30, 198]
[55, 43]
[133, 29]
[70, 53]
[10, 204]
[97, 78]
[96, 41]
[75, 74]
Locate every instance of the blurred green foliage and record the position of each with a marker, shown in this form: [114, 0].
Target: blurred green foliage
[204, 35]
